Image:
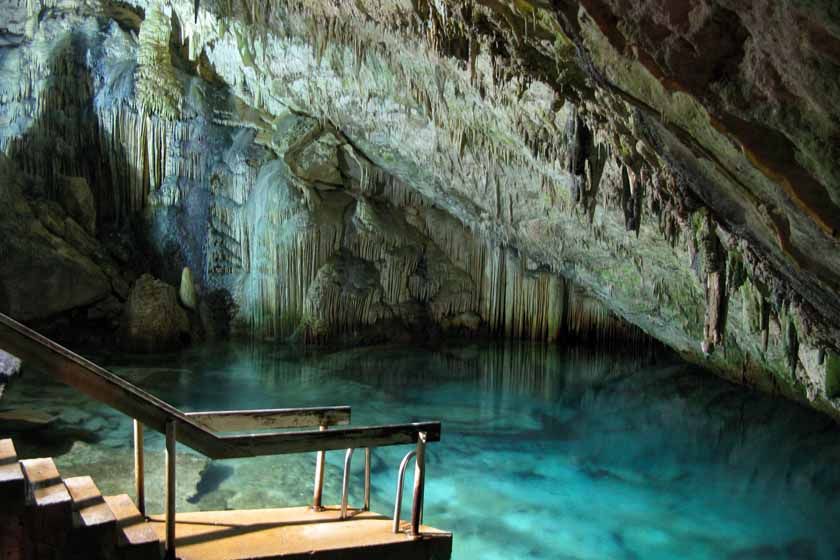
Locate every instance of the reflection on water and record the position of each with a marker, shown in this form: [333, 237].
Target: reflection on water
[545, 453]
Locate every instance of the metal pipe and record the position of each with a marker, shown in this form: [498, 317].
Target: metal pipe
[139, 468]
[419, 482]
[345, 482]
[170, 490]
[400, 479]
[320, 461]
[367, 479]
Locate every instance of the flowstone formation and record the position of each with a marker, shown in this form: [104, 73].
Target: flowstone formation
[364, 169]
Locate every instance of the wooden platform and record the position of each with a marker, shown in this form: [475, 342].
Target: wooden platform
[297, 533]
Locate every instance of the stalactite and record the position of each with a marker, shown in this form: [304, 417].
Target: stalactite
[717, 299]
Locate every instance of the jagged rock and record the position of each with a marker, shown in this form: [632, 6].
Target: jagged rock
[345, 294]
[109, 309]
[318, 161]
[187, 294]
[469, 322]
[9, 367]
[153, 321]
[832, 375]
[42, 275]
[77, 199]
[51, 215]
[78, 238]
[216, 310]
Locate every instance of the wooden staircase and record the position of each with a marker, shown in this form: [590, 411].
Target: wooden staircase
[43, 516]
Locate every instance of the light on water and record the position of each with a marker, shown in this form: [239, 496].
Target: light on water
[545, 453]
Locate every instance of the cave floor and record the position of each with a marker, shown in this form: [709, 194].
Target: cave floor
[297, 532]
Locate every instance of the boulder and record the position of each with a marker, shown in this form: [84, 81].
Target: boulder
[77, 200]
[9, 367]
[41, 275]
[152, 320]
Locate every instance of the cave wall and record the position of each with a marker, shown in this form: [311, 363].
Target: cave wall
[529, 168]
[277, 215]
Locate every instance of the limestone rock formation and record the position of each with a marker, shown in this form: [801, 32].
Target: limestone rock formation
[534, 169]
[186, 292]
[42, 273]
[153, 321]
[9, 367]
[77, 199]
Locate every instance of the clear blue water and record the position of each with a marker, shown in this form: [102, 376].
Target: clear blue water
[545, 453]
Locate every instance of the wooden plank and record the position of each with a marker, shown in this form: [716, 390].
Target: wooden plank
[239, 420]
[89, 507]
[255, 445]
[139, 467]
[169, 490]
[299, 534]
[9, 468]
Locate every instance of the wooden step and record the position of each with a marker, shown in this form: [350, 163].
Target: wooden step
[89, 507]
[94, 524]
[49, 513]
[44, 484]
[12, 483]
[135, 536]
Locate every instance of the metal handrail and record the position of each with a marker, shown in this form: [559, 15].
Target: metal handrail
[193, 429]
[419, 483]
[345, 481]
[400, 480]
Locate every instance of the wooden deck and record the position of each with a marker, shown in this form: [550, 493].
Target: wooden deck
[298, 533]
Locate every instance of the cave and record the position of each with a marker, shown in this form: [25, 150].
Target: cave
[574, 265]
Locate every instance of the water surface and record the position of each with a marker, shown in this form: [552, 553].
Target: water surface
[545, 453]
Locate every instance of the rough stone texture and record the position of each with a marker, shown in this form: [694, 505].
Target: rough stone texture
[152, 320]
[9, 367]
[674, 161]
[42, 273]
[77, 199]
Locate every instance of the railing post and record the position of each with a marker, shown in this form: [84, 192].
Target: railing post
[367, 479]
[320, 461]
[170, 489]
[419, 480]
[139, 469]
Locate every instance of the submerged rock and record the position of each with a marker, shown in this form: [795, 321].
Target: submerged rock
[20, 420]
[153, 321]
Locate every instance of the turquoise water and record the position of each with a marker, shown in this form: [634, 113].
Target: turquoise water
[545, 453]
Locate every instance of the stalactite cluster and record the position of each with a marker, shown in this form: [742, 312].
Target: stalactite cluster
[338, 165]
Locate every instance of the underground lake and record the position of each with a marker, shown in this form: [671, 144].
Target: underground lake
[545, 453]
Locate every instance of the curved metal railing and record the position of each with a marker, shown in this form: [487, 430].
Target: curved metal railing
[419, 482]
[345, 481]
